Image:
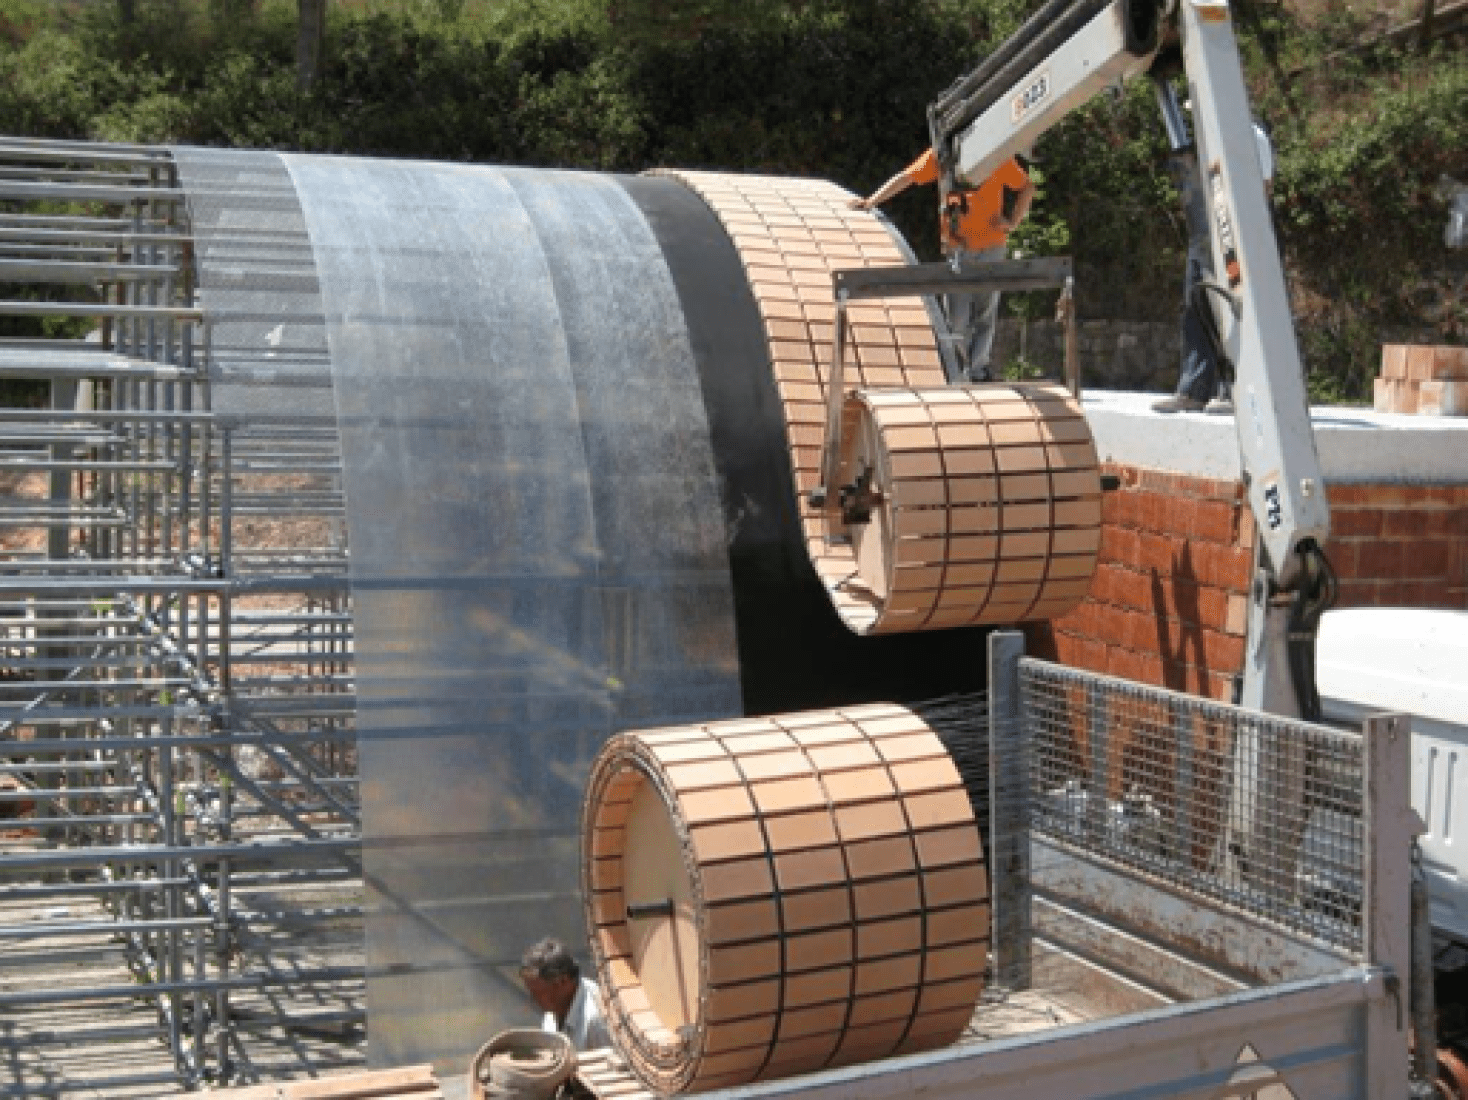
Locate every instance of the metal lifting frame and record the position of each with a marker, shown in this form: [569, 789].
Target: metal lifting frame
[179, 822]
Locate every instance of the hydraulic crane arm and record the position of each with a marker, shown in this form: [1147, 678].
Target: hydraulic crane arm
[1060, 59]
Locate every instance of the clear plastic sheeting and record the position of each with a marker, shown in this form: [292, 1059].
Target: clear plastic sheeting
[257, 283]
[538, 554]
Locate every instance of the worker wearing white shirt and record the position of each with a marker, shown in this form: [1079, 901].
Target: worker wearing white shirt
[572, 1004]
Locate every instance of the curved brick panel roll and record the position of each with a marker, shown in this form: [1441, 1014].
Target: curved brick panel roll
[1028, 551]
[986, 508]
[772, 896]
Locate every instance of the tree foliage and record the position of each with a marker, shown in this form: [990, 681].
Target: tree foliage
[831, 88]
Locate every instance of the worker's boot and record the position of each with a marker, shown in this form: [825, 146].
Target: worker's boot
[1178, 402]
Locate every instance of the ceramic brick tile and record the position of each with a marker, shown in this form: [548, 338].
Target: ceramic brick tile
[792, 832]
[889, 937]
[943, 996]
[816, 1020]
[813, 909]
[794, 1056]
[743, 920]
[818, 986]
[868, 820]
[882, 975]
[710, 773]
[779, 796]
[818, 950]
[742, 963]
[814, 867]
[733, 840]
[961, 924]
[749, 878]
[743, 1034]
[890, 897]
[946, 846]
[859, 786]
[880, 858]
[715, 805]
[757, 999]
[910, 746]
[841, 757]
[954, 885]
[925, 775]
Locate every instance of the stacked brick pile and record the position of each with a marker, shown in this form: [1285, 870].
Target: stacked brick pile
[1430, 381]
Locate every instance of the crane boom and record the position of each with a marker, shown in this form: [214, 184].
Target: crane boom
[1065, 55]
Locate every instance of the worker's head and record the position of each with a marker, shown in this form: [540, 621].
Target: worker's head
[551, 976]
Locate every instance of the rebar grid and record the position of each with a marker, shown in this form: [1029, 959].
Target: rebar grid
[178, 807]
[1261, 813]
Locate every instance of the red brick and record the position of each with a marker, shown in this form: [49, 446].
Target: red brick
[1427, 559]
[1092, 656]
[1152, 670]
[1422, 594]
[1221, 687]
[1212, 607]
[1344, 496]
[1157, 553]
[1245, 526]
[1061, 647]
[1111, 625]
[1223, 652]
[1356, 593]
[1130, 665]
[1142, 631]
[1136, 589]
[1213, 521]
[1355, 521]
[1177, 515]
[1406, 523]
[1115, 659]
[1232, 567]
[1442, 521]
[1344, 556]
[1392, 593]
[1236, 621]
[1146, 509]
[1119, 544]
[1191, 561]
[1195, 679]
[1379, 560]
[1114, 509]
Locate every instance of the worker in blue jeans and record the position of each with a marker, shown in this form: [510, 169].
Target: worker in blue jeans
[1200, 384]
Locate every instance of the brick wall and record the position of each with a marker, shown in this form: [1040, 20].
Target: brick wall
[1167, 605]
[1400, 545]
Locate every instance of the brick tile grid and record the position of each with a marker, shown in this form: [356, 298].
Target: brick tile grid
[791, 234]
[841, 885]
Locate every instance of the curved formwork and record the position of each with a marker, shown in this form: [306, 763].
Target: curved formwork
[773, 896]
[553, 430]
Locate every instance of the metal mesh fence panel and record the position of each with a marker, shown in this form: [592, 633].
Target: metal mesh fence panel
[1260, 813]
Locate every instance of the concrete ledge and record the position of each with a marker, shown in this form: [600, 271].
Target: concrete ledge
[1356, 445]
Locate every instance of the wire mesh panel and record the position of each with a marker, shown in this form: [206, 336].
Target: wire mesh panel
[1261, 813]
